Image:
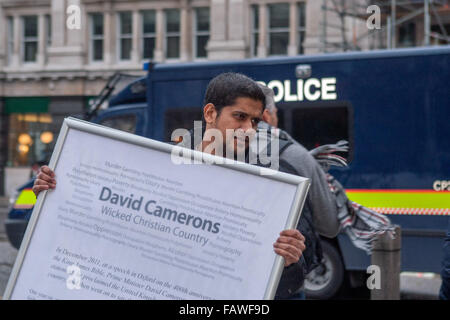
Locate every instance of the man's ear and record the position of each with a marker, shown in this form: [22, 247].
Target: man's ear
[209, 113]
[266, 116]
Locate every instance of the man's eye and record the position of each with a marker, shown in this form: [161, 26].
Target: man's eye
[240, 116]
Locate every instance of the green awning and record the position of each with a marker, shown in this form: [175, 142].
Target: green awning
[26, 105]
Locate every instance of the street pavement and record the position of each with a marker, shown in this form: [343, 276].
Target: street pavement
[414, 286]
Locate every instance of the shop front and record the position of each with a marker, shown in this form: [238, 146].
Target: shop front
[33, 124]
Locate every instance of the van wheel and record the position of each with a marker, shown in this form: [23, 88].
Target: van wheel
[325, 280]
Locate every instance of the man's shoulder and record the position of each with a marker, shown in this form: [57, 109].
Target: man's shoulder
[295, 150]
[300, 159]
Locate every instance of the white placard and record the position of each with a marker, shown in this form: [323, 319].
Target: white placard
[125, 222]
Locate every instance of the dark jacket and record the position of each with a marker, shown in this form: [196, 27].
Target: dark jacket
[293, 277]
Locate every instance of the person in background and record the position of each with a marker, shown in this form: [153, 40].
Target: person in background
[319, 216]
[320, 198]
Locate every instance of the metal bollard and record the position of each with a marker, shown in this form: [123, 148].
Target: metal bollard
[386, 254]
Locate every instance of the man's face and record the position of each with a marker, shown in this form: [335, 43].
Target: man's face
[243, 116]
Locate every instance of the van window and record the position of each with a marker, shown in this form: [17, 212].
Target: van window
[317, 125]
[125, 123]
[181, 118]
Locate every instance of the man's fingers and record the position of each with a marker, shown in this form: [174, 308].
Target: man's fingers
[48, 171]
[45, 177]
[290, 240]
[296, 251]
[44, 182]
[40, 182]
[290, 245]
[41, 187]
[292, 233]
[289, 258]
[38, 188]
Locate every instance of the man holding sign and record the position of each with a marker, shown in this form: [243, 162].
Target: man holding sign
[233, 102]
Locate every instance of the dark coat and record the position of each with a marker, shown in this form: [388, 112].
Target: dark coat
[293, 277]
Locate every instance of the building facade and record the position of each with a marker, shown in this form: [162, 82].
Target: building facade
[57, 54]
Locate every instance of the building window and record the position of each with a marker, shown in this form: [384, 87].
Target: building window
[125, 33]
[31, 130]
[48, 26]
[278, 28]
[10, 46]
[301, 26]
[201, 32]
[255, 30]
[172, 33]
[31, 139]
[148, 33]
[97, 35]
[30, 38]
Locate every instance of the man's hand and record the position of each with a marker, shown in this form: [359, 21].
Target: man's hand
[290, 245]
[44, 180]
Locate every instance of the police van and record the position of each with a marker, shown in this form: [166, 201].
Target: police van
[393, 106]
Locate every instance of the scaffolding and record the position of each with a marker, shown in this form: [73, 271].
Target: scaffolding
[343, 16]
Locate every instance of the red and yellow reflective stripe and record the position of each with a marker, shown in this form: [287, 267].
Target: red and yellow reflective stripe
[401, 201]
[26, 199]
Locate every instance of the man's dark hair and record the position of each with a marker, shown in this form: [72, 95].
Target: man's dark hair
[225, 88]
